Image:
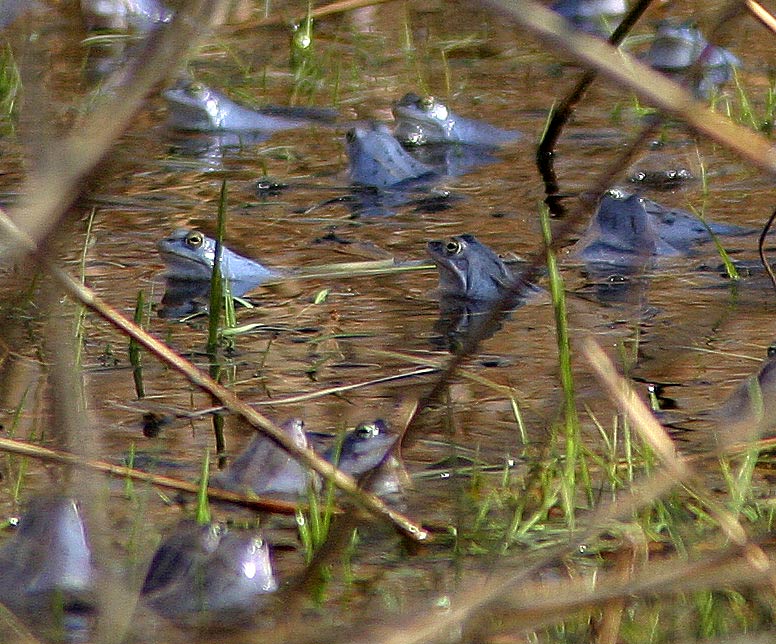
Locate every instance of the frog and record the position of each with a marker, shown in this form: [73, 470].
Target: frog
[377, 160]
[629, 231]
[596, 17]
[265, 468]
[682, 230]
[135, 15]
[469, 270]
[209, 575]
[48, 561]
[426, 120]
[363, 449]
[189, 255]
[678, 46]
[192, 106]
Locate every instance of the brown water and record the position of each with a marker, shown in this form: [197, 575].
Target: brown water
[698, 334]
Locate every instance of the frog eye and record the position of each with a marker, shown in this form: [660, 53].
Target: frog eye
[195, 239]
[350, 137]
[427, 102]
[367, 430]
[453, 246]
[197, 90]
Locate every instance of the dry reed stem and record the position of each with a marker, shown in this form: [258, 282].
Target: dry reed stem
[759, 12]
[63, 458]
[326, 10]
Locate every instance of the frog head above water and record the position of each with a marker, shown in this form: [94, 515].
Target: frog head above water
[425, 120]
[468, 269]
[421, 120]
[189, 255]
[196, 107]
[363, 449]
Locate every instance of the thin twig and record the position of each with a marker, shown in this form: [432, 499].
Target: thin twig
[64, 458]
[761, 248]
[342, 388]
[332, 8]
[759, 12]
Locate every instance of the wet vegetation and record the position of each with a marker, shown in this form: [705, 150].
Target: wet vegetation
[585, 456]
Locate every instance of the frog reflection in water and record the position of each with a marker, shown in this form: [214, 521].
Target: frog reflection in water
[471, 278]
[424, 120]
[264, 468]
[193, 106]
[189, 257]
[206, 575]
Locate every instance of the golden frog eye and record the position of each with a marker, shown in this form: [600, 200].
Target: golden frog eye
[197, 90]
[367, 430]
[195, 239]
[427, 102]
[453, 246]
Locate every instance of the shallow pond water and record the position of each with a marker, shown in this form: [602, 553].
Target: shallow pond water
[684, 326]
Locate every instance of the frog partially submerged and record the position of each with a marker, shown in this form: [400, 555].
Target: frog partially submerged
[664, 166]
[265, 468]
[196, 107]
[206, 575]
[379, 161]
[748, 413]
[190, 255]
[678, 46]
[46, 569]
[628, 231]
[138, 15]
[468, 269]
[424, 120]
[598, 17]
[363, 450]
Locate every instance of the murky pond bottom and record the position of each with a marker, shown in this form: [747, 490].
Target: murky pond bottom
[486, 463]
